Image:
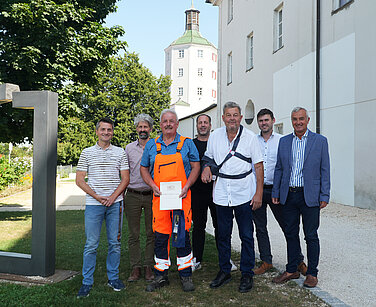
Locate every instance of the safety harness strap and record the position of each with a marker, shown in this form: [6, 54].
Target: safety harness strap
[215, 168]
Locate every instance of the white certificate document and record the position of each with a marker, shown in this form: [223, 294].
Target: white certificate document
[169, 199]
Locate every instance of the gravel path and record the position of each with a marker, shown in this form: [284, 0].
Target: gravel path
[68, 197]
[347, 268]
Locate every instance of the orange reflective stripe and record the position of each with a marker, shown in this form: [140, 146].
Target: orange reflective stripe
[184, 262]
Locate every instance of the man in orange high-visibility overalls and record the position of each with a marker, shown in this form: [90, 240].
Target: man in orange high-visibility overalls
[168, 158]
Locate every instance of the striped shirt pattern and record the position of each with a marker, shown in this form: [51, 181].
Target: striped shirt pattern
[297, 150]
[103, 168]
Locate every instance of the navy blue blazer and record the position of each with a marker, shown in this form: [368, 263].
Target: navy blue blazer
[316, 169]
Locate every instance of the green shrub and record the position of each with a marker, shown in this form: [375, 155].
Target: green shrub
[14, 172]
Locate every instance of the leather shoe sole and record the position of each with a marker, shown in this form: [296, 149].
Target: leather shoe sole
[284, 277]
[263, 268]
[310, 281]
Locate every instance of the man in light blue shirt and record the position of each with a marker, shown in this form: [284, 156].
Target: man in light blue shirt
[268, 140]
[302, 186]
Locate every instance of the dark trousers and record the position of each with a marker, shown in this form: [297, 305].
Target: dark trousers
[200, 204]
[294, 207]
[260, 219]
[243, 216]
[161, 249]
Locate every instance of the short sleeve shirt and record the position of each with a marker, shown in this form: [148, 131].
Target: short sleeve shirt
[103, 168]
[234, 192]
[188, 151]
[134, 153]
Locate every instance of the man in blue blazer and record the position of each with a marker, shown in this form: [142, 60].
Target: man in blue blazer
[302, 186]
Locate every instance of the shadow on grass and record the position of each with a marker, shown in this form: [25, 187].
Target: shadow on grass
[15, 216]
[10, 205]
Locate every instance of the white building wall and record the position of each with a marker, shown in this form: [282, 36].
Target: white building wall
[187, 125]
[283, 79]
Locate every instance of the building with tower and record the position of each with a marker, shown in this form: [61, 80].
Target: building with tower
[191, 62]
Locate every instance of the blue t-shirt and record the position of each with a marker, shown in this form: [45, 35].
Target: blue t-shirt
[188, 152]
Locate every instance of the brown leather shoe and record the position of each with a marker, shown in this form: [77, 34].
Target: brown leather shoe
[310, 281]
[149, 274]
[135, 274]
[285, 276]
[263, 268]
[302, 268]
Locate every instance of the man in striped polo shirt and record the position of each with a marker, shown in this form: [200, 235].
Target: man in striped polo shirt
[107, 169]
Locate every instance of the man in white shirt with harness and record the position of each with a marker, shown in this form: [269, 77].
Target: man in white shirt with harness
[229, 156]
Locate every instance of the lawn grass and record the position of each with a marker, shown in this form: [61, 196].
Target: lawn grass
[69, 247]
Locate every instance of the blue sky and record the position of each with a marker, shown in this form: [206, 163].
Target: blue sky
[151, 26]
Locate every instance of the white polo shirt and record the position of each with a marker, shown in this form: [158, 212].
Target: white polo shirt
[234, 192]
[103, 168]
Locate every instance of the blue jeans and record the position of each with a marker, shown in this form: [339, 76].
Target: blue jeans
[94, 216]
[243, 216]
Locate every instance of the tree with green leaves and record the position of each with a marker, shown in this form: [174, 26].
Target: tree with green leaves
[45, 45]
[128, 88]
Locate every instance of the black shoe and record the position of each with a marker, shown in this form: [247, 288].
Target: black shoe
[246, 283]
[158, 282]
[221, 279]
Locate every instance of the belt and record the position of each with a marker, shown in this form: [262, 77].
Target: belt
[268, 186]
[140, 192]
[296, 189]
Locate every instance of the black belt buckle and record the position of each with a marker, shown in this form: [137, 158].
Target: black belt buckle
[296, 189]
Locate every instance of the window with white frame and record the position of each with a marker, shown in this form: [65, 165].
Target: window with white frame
[200, 53]
[337, 4]
[249, 52]
[199, 72]
[181, 53]
[278, 27]
[180, 91]
[229, 68]
[230, 15]
[180, 72]
[214, 57]
[199, 91]
[214, 93]
[278, 128]
[214, 75]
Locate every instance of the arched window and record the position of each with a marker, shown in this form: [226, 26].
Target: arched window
[249, 113]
